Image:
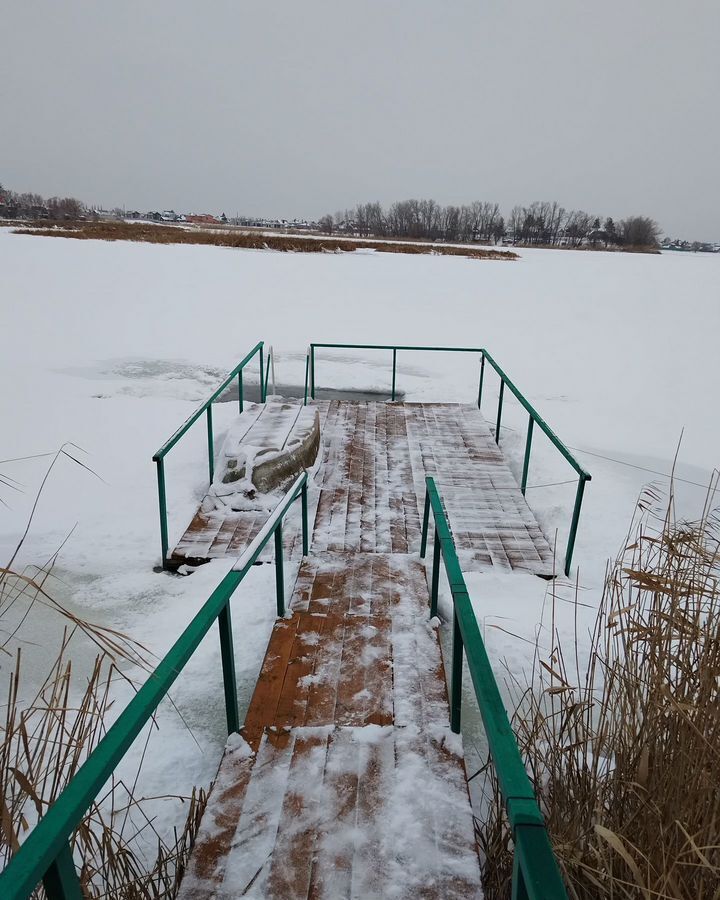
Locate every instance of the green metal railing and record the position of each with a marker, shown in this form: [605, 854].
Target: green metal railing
[393, 347]
[536, 875]
[46, 854]
[206, 407]
[536, 419]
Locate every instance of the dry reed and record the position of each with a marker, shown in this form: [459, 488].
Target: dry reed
[173, 234]
[625, 756]
[47, 735]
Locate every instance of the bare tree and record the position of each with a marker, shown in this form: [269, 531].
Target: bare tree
[639, 231]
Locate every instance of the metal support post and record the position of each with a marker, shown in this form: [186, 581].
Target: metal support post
[482, 376]
[262, 374]
[211, 443]
[456, 676]
[279, 575]
[305, 532]
[425, 524]
[435, 575]
[526, 461]
[162, 501]
[227, 655]
[574, 524]
[392, 396]
[312, 371]
[499, 412]
[61, 881]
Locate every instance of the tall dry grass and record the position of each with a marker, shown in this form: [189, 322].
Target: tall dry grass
[46, 735]
[250, 240]
[44, 741]
[625, 750]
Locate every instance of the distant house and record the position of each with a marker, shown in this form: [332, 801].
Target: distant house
[202, 219]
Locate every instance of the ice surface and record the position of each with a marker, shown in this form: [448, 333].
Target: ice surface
[617, 351]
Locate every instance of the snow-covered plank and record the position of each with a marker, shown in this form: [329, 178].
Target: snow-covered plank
[371, 479]
[372, 491]
[349, 716]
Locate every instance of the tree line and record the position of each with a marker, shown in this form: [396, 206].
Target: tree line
[34, 206]
[541, 223]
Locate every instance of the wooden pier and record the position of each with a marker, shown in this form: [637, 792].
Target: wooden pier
[346, 781]
[370, 476]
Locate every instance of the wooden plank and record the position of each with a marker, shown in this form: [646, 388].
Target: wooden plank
[297, 834]
[207, 864]
[331, 871]
[265, 698]
[292, 701]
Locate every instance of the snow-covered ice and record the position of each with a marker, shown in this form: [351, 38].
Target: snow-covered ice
[111, 345]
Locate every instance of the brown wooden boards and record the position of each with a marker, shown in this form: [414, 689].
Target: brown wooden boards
[369, 491]
[357, 786]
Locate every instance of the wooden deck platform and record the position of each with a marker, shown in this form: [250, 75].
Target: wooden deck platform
[370, 490]
[346, 781]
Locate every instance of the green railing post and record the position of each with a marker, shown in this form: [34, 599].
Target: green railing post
[425, 524]
[538, 875]
[262, 371]
[499, 412]
[162, 501]
[456, 675]
[392, 396]
[435, 575]
[312, 371]
[307, 368]
[279, 575]
[305, 531]
[574, 524]
[61, 881]
[227, 654]
[267, 369]
[518, 889]
[482, 376]
[526, 461]
[211, 444]
[241, 402]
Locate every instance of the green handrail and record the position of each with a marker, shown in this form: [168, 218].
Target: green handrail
[393, 347]
[536, 419]
[536, 875]
[46, 853]
[206, 407]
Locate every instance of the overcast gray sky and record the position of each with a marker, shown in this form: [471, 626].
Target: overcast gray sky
[300, 108]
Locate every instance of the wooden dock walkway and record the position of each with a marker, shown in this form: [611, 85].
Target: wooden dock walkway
[371, 482]
[346, 781]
